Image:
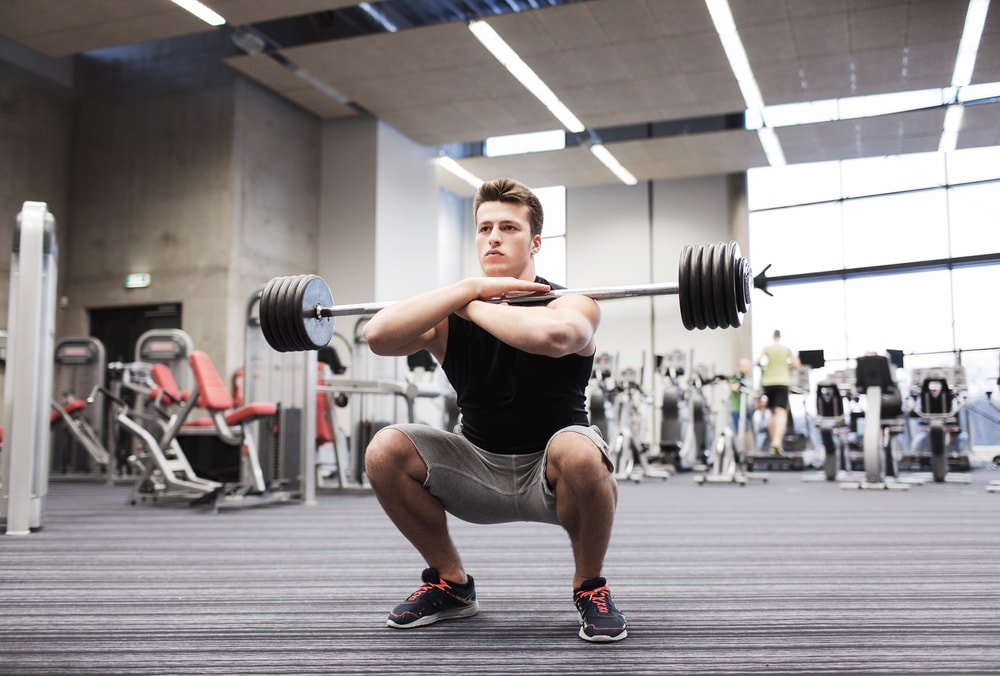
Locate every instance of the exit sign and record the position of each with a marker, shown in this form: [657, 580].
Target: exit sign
[137, 280]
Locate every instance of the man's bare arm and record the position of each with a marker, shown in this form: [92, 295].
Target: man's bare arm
[419, 322]
[567, 325]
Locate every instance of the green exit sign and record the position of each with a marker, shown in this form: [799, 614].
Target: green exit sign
[137, 280]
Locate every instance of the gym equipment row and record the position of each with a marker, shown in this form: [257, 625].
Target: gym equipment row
[870, 393]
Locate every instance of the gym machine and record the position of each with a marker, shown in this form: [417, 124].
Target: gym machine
[882, 415]
[79, 449]
[940, 394]
[727, 458]
[290, 380]
[24, 462]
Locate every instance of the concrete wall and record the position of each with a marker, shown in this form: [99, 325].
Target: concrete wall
[275, 190]
[36, 125]
[163, 160]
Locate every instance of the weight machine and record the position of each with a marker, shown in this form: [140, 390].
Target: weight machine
[78, 447]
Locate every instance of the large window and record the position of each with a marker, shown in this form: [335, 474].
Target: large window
[851, 218]
[550, 261]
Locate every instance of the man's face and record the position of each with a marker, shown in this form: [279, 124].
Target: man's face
[504, 241]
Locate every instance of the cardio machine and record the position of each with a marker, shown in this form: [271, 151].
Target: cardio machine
[940, 395]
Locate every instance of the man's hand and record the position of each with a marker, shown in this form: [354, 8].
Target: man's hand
[490, 288]
[493, 288]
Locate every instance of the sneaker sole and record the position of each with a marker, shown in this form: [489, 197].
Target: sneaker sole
[453, 614]
[602, 638]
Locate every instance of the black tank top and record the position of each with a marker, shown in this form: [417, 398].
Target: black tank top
[511, 401]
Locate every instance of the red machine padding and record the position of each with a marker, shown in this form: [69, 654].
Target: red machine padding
[164, 379]
[212, 393]
[214, 396]
[324, 430]
[71, 407]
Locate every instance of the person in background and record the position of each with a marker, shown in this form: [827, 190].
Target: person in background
[776, 362]
[739, 386]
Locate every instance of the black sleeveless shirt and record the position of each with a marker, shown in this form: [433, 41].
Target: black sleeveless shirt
[511, 401]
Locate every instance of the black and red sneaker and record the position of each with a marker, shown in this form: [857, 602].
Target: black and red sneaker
[600, 619]
[436, 600]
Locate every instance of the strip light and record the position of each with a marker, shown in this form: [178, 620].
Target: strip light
[965, 61]
[209, 16]
[523, 73]
[611, 162]
[503, 53]
[455, 168]
[378, 17]
[725, 26]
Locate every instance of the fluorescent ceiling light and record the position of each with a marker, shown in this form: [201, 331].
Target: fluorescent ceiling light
[725, 26]
[772, 147]
[455, 168]
[533, 142]
[968, 46]
[306, 76]
[965, 61]
[523, 73]
[207, 15]
[611, 162]
[378, 17]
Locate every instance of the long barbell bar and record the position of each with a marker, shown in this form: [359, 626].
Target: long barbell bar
[714, 283]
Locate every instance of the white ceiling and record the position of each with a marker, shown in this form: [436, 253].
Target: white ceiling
[615, 63]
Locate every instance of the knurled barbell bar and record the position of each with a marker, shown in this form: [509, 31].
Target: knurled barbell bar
[714, 283]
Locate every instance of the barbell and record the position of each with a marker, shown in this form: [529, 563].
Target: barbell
[714, 283]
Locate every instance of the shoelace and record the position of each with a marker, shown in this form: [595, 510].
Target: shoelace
[599, 597]
[426, 587]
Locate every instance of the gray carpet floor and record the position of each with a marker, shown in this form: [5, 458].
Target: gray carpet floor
[788, 576]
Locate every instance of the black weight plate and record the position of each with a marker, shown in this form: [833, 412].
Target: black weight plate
[318, 330]
[733, 282]
[297, 328]
[699, 289]
[743, 281]
[266, 312]
[685, 284]
[285, 315]
[694, 287]
[708, 288]
[720, 286]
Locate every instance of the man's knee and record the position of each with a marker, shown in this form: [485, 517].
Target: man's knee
[576, 455]
[389, 452]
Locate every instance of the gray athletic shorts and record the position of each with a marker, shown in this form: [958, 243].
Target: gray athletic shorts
[481, 487]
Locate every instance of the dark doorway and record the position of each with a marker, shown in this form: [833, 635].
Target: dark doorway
[119, 328]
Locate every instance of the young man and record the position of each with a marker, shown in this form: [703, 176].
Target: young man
[777, 360]
[524, 450]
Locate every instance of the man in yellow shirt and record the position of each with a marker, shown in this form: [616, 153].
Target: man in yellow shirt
[776, 362]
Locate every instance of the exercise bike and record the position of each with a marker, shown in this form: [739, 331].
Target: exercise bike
[939, 399]
[834, 428]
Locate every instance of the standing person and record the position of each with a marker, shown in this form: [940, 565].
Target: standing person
[777, 361]
[524, 450]
[739, 386]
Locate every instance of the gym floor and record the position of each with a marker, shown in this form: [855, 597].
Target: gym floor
[786, 576]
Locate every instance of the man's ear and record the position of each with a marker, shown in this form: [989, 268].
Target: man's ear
[536, 243]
